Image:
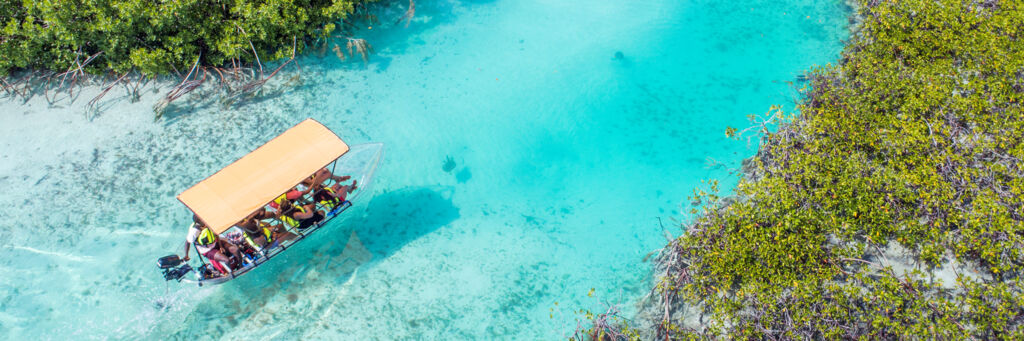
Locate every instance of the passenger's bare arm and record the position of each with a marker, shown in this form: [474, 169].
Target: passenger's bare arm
[305, 215]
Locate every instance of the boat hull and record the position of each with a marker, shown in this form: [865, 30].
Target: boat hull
[360, 163]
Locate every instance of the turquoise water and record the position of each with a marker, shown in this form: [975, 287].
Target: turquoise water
[568, 162]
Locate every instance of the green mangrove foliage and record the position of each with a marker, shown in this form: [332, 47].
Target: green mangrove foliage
[158, 37]
[892, 207]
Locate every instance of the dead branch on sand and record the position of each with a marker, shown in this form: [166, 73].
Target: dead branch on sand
[90, 109]
[355, 46]
[20, 87]
[69, 78]
[337, 52]
[252, 87]
[182, 89]
[407, 17]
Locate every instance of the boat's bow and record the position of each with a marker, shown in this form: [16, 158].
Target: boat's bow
[360, 163]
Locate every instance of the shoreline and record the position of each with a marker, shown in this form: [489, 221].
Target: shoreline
[232, 38]
[692, 281]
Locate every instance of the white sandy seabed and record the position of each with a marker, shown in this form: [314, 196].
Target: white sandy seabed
[94, 205]
[566, 158]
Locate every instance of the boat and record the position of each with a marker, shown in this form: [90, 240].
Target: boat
[258, 182]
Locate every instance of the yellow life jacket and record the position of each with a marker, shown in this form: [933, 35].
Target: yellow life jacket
[280, 200]
[269, 234]
[206, 237]
[251, 243]
[330, 202]
[266, 233]
[291, 221]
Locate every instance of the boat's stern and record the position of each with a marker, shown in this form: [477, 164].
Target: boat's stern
[174, 268]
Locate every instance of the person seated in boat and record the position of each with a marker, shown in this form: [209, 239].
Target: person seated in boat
[331, 196]
[257, 233]
[261, 235]
[321, 177]
[300, 215]
[315, 181]
[280, 234]
[208, 244]
[293, 194]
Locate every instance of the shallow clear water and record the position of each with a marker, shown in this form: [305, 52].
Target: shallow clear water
[568, 162]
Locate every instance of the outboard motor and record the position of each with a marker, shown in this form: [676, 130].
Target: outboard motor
[168, 262]
[173, 267]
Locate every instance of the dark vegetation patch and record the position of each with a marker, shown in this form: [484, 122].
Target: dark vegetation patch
[53, 48]
[159, 37]
[903, 165]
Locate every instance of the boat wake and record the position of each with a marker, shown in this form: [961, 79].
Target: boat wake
[64, 256]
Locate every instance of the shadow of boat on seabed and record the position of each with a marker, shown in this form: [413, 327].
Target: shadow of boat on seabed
[397, 217]
[389, 221]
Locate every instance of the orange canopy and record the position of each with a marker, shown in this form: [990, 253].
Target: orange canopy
[246, 185]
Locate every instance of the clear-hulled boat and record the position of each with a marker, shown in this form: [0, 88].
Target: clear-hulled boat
[265, 188]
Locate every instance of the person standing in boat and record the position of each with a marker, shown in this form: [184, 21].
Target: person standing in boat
[208, 244]
[193, 233]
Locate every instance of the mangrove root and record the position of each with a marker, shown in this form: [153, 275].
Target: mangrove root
[182, 89]
[90, 109]
[360, 47]
[407, 17]
[337, 52]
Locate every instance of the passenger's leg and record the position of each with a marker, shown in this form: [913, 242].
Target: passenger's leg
[281, 234]
[216, 260]
[323, 175]
[342, 192]
[340, 189]
[234, 251]
[281, 237]
[220, 257]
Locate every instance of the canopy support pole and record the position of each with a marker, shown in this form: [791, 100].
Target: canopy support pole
[200, 256]
[334, 165]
